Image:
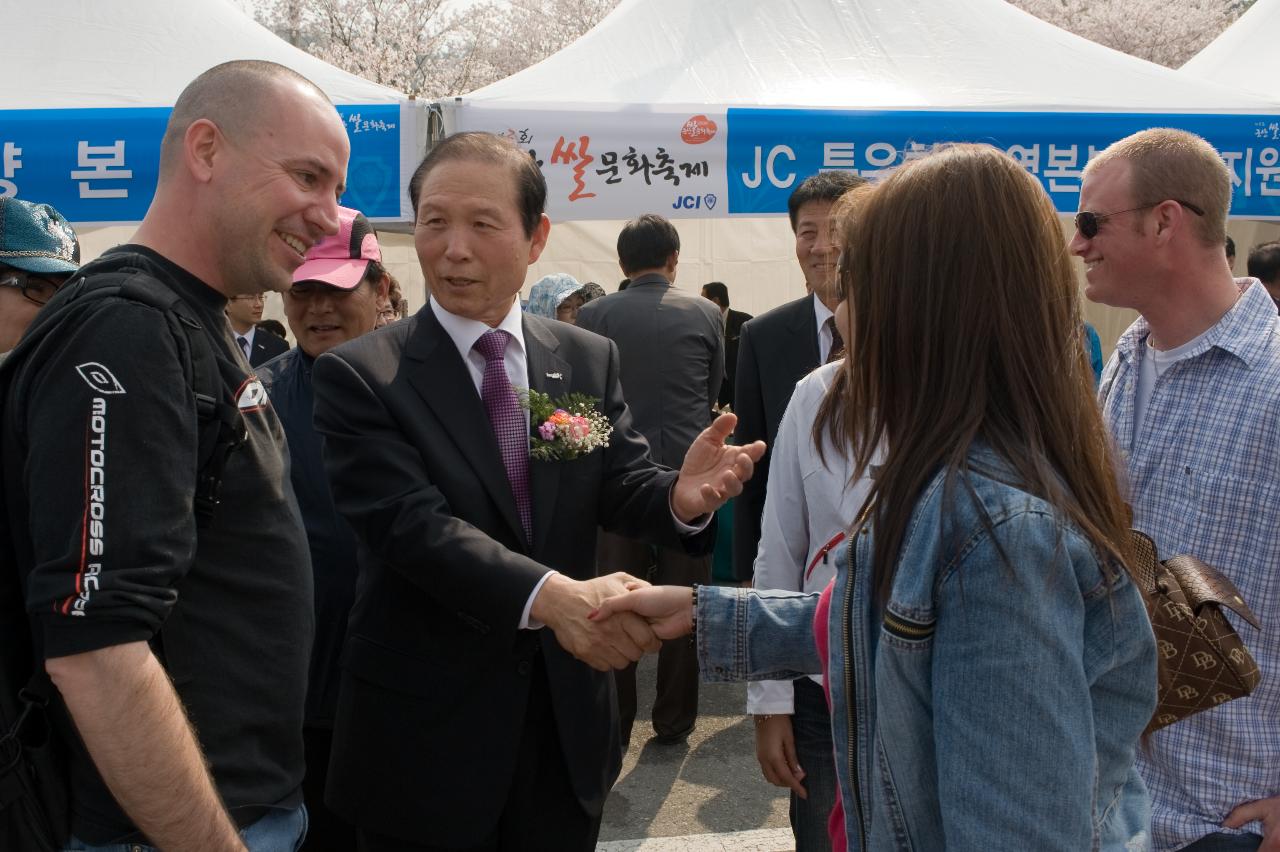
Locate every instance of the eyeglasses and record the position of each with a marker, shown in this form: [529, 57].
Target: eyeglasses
[35, 288]
[1087, 223]
[252, 297]
[389, 315]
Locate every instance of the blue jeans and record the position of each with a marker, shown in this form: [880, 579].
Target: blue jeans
[278, 831]
[1225, 843]
[811, 727]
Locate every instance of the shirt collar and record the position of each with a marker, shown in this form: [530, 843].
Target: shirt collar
[465, 332]
[821, 311]
[1244, 330]
[651, 278]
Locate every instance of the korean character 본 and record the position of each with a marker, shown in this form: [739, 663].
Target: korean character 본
[99, 163]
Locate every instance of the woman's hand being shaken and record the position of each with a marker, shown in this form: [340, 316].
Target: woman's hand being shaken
[668, 609]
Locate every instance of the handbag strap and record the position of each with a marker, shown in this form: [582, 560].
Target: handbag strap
[1200, 582]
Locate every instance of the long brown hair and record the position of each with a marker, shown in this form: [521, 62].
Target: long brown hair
[966, 327]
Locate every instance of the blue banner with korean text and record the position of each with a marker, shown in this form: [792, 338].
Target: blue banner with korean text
[771, 150]
[101, 165]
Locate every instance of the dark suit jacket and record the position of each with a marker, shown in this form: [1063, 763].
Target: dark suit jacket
[776, 350]
[732, 331]
[265, 346]
[436, 675]
[672, 352]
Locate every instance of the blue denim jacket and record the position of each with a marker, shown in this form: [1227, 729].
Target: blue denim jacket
[989, 705]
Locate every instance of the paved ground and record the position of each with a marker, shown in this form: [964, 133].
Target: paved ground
[704, 796]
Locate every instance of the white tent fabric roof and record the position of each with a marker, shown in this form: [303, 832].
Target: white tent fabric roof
[909, 54]
[1245, 54]
[121, 53]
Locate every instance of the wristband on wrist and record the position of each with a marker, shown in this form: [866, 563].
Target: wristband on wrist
[693, 618]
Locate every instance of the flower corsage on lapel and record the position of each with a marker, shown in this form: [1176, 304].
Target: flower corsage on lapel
[565, 428]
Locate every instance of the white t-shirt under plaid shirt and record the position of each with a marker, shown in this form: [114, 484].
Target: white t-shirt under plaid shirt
[1204, 479]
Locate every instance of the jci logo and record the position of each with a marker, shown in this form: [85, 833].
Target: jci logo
[695, 202]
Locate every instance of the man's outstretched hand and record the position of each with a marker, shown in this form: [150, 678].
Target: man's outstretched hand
[713, 471]
[563, 605]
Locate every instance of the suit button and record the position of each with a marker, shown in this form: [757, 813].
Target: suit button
[524, 668]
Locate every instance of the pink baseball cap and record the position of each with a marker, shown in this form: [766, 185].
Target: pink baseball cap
[342, 259]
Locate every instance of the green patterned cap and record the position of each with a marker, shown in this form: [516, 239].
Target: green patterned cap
[35, 238]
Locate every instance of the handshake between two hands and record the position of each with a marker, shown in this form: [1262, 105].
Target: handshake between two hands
[610, 622]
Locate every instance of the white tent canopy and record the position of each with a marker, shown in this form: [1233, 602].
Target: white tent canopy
[821, 83]
[863, 54]
[115, 53]
[721, 107]
[86, 84]
[1244, 56]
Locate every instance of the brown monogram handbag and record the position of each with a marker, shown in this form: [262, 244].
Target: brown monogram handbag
[1202, 662]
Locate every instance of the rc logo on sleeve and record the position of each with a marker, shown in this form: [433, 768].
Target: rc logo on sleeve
[99, 378]
[251, 396]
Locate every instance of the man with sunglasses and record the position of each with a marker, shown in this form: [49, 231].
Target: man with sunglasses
[1191, 397]
[38, 252]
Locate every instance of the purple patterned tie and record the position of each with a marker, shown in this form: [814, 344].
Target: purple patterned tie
[507, 418]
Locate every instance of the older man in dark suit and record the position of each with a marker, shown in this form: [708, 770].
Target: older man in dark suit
[672, 351]
[460, 724]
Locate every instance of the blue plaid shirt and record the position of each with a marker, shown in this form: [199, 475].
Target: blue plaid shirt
[1204, 479]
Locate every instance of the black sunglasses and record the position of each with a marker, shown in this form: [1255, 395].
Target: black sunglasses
[35, 288]
[1087, 223]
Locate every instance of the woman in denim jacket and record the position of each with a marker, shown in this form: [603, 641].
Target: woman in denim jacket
[990, 664]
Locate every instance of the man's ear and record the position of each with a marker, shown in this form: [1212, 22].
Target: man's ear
[383, 288]
[200, 145]
[538, 241]
[1168, 215]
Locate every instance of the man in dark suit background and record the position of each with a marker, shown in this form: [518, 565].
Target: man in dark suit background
[672, 365]
[732, 322]
[460, 724]
[243, 315]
